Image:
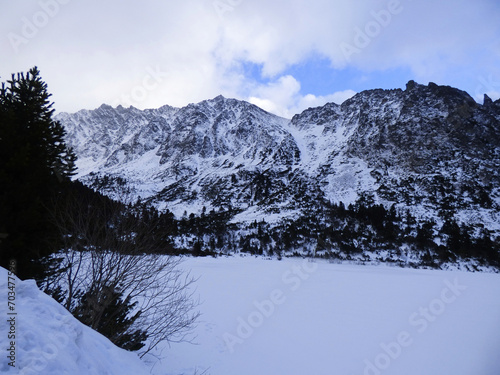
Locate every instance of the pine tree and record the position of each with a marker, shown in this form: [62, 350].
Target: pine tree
[35, 165]
[108, 313]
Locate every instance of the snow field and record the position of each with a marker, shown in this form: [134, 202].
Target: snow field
[296, 317]
[284, 317]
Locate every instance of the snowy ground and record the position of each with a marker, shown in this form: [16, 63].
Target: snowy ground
[39, 336]
[269, 317]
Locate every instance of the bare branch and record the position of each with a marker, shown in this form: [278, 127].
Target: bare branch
[107, 249]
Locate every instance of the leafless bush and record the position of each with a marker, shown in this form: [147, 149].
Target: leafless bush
[106, 248]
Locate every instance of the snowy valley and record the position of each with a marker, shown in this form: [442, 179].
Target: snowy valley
[217, 238]
[229, 187]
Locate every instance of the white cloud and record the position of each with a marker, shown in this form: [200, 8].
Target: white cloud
[282, 97]
[489, 85]
[93, 52]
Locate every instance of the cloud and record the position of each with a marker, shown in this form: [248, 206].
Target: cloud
[282, 97]
[93, 52]
[490, 86]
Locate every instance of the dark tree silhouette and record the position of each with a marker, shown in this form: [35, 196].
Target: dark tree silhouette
[35, 164]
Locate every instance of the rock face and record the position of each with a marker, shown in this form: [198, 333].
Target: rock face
[431, 149]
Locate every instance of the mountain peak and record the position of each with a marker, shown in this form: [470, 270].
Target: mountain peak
[487, 102]
[219, 98]
[404, 147]
[216, 102]
[411, 85]
[105, 106]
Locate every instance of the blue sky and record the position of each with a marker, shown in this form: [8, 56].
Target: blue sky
[282, 55]
[317, 76]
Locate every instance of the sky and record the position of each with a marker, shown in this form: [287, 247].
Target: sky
[283, 56]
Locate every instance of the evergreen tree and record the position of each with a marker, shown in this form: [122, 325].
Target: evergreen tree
[35, 165]
[107, 313]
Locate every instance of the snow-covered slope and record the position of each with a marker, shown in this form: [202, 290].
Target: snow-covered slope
[429, 148]
[47, 339]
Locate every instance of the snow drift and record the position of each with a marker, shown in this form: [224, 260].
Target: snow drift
[47, 339]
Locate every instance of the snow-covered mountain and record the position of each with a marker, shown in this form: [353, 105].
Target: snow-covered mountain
[429, 148]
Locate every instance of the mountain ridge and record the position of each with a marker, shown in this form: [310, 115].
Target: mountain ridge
[431, 149]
